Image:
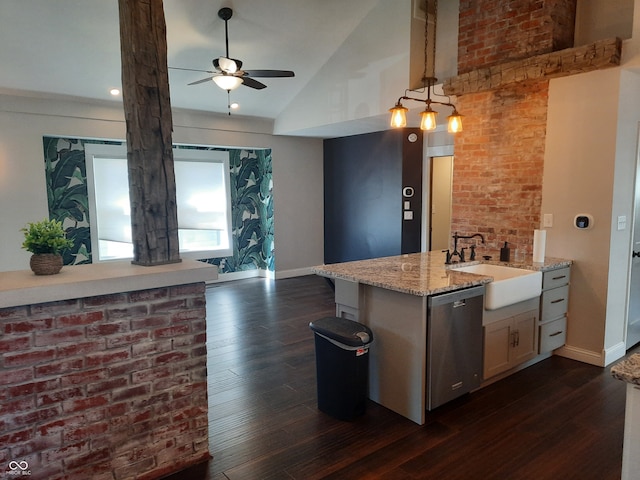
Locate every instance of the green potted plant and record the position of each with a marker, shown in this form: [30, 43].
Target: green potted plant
[45, 240]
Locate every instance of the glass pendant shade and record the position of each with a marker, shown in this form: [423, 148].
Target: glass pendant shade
[428, 119]
[227, 82]
[398, 116]
[455, 122]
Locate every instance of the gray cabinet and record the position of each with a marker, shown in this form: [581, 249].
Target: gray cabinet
[554, 304]
[509, 342]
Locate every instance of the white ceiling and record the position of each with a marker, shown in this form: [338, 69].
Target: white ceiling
[71, 47]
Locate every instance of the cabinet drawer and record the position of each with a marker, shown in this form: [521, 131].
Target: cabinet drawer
[553, 335]
[555, 278]
[554, 303]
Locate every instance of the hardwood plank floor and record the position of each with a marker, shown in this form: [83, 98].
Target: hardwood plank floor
[557, 419]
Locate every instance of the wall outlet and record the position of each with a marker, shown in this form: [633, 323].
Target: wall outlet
[547, 220]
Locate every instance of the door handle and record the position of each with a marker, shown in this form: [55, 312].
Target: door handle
[635, 254]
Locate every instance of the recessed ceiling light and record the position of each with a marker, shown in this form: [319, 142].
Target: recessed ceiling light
[115, 92]
[234, 105]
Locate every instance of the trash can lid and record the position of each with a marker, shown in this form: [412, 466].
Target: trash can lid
[342, 330]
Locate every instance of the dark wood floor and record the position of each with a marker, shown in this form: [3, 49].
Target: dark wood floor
[559, 419]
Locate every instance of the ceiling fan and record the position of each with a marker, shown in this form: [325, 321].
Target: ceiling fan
[228, 73]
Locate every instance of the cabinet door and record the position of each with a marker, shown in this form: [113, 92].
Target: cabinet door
[498, 341]
[525, 346]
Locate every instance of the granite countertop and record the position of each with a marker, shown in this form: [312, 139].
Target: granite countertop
[421, 274]
[628, 370]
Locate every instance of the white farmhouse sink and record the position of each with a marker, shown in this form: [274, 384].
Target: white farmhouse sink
[510, 285]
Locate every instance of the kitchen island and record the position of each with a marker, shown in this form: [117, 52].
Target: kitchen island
[391, 296]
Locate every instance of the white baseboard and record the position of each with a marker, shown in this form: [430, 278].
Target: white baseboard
[614, 353]
[244, 274]
[581, 355]
[227, 277]
[603, 359]
[296, 272]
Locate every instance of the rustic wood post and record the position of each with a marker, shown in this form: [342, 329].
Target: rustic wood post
[147, 108]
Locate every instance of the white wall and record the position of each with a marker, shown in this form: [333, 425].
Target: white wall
[578, 178]
[590, 164]
[622, 205]
[297, 169]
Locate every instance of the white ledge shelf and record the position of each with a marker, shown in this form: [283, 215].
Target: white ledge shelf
[22, 287]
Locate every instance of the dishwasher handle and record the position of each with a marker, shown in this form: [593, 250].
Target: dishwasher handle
[456, 297]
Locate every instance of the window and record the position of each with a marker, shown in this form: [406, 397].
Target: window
[202, 196]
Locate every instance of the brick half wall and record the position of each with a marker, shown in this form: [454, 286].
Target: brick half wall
[106, 387]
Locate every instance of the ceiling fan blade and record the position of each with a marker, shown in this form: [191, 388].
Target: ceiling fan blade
[190, 70]
[269, 73]
[208, 79]
[250, 82]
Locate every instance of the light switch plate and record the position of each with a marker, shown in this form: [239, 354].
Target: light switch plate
[622, 222]
[547, 220]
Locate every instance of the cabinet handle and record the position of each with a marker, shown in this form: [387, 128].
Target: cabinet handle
[558, 300]
[515, 339]
[555, 334]
[560, 277]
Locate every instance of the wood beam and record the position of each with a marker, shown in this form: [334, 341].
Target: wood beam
[570, 61]
[147, 108]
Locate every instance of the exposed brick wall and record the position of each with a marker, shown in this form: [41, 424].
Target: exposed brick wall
[108, 387]
[496, 31]
[497, 180]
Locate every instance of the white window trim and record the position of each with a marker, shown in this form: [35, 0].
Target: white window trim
[97, 151]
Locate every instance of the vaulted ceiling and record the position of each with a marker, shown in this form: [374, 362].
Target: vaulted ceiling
[72, 48]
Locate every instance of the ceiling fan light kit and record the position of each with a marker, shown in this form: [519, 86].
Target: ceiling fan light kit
[227, 82]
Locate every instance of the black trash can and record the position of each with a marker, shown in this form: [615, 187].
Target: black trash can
[342, 366]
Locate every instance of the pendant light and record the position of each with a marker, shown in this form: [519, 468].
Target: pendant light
[428, 119]
[454, 124]
[428, 116]
[398, 116]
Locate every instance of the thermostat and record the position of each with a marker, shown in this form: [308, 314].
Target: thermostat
[583, 221]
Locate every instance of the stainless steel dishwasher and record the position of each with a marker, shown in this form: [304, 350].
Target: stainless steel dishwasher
[454, 345]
